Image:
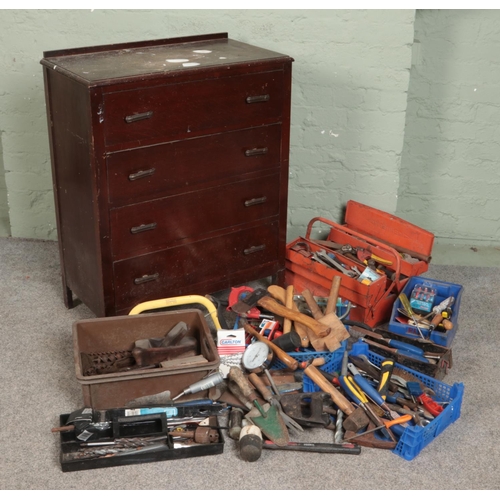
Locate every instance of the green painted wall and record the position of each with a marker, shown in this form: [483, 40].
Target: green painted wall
[451, 158]
[350, 82]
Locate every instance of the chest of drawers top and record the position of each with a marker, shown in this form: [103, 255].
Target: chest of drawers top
[173, 58]
[170, 167]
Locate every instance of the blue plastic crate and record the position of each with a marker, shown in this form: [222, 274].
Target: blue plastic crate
[444, 290]
[333, 364]
[415, 438]
[331, 358]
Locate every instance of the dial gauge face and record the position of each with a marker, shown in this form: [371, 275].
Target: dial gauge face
[255, 356]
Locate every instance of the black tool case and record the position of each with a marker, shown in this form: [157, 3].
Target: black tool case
[154, 426]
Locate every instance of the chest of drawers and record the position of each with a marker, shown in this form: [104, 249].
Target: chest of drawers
[170, 167]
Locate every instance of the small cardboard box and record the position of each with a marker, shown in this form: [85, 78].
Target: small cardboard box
[119, 333]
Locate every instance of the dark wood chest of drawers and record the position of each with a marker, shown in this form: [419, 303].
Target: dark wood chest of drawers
[170, 167]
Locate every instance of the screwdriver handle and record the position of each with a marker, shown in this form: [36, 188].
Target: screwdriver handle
[369, 390]
[351, 391]
[386, 368]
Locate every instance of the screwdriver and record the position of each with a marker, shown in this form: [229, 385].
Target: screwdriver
[359, 398]
[408, 354]
[387, 424]
[370, 391]
[396, 344]
[203, 384]
[406, 304]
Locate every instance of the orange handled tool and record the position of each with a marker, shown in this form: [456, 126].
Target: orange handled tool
[387, 424]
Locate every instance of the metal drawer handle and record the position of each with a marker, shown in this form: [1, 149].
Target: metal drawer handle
[140, 174]
[250, 250]
[256, 151]
[146, 278]
[142, 228]
[257, 98]
[255, 201]
[139, 116]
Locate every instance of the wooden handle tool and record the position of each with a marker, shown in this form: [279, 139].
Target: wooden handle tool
[271, 305]
[287, 322]
[338, 331]
[337, 397]
[331, 305]
[312, 304]
[305, 333]
[293, 364]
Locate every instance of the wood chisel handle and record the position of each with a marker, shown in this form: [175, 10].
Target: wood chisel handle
[312, 304]
[292, 363]
[337, 397]
[408, 354]
[271, 305]
[238, 377]
[261, 387]
[331, 305]
[436, 320]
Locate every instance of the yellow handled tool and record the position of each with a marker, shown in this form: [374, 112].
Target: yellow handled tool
[178, 301]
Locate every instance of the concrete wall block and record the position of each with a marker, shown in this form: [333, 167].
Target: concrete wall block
[379, 161]
[383, 135]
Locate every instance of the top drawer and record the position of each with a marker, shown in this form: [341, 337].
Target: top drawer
[188, 109]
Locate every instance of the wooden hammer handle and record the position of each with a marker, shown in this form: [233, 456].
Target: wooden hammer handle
[337, 397]
[293, 364]
[287, 322]
[279, 294]
[271, 305]
[331, 305]
[312, 304]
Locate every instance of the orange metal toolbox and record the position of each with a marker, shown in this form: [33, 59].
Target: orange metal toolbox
[406, 246]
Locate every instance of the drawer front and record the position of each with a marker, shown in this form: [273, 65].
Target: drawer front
[165, 169]
[151, 226]
[194, 108]
[153, 275]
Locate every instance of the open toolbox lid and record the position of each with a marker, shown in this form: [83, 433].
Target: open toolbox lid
[390, 230]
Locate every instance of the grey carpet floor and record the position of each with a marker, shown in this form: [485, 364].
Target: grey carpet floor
[39, 384]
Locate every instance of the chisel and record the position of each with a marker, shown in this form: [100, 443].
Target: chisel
[371, 392]
[360, 399]
[396, 344]
[408, 354]
[391, 423]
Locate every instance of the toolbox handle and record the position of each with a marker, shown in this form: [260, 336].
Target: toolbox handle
[397, 257]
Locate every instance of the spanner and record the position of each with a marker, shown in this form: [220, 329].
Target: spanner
[323, 257]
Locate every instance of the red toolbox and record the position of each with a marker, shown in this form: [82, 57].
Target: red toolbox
[405, 248]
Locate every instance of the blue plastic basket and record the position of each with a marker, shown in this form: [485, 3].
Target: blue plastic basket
[333, 364]
[444, 290]
[415, 438]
